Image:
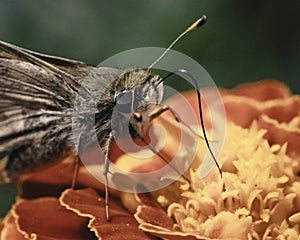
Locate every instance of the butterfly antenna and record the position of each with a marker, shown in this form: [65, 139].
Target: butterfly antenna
[198, 23]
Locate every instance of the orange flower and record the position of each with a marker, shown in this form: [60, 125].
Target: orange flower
[258, 196]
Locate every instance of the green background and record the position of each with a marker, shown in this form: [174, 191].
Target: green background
[242, 41]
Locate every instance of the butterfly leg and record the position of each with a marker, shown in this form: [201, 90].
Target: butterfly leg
[156, 112]
[106, 171]
[164, 108]
[76, 170]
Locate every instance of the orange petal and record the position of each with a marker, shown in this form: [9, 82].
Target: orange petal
[86, 202]
[279, 134]
[262, 90]
[45, 218]
[9, 229]
[154, 220]
[243, 111]
[54, 180]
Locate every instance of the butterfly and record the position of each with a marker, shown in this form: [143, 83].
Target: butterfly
[37, 96]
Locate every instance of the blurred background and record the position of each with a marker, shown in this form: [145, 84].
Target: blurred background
[243, 41]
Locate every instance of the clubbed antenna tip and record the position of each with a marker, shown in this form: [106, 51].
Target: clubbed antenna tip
[198, 23]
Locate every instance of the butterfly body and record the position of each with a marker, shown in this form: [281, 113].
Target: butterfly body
[37, 97]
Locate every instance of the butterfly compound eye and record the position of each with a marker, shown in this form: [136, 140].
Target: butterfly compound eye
[124, 101]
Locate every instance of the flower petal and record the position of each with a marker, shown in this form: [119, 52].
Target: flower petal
[280, 134]
[87, 203]
[38, 219]
[261, 91]
[153, 219]
[53, 180]
[9, 229]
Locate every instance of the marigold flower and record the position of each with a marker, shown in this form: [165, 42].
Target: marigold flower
[257, 197]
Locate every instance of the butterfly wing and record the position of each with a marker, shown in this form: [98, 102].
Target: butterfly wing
[36, 99]
[75, 69]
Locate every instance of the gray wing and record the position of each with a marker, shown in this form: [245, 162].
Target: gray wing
[37, 97]
[71, 68]
[36, 100]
